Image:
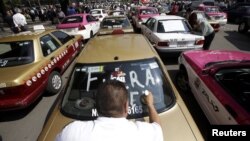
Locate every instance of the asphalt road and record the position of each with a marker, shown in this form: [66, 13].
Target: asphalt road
[25, 125]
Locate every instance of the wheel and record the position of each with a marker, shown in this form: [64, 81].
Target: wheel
[182, 80]
[91, 34]
[243, 28]
[54, 83]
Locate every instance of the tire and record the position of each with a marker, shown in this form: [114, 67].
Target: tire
[182, 81]
[243, 28]
[54, 83]
[91, 35]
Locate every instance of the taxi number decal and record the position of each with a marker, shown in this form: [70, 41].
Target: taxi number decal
[3, 62]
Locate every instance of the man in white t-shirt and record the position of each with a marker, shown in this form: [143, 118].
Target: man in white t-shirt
[112, 125]
[20, 21]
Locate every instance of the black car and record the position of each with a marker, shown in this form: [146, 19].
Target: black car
[235, 13]
[244, 24]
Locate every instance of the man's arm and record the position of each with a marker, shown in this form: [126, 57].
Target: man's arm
[153, 115]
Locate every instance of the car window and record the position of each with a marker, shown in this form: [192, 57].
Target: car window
[48, 44]
[90, 18]
[165, 26]
[150, 23]
[237, 83]
[16, 53]
[62, 36]
[72, 19]
[148, 11]
[116, 22]
[95, 12]
[141, 75]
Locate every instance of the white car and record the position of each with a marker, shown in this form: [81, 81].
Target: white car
[171, 34]
[99, 13]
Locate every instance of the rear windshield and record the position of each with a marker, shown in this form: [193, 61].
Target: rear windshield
[72, 19]
[16, 53]
[148, 11]
[79, 99]
[118, 22]
[168, 26]
[237, 83]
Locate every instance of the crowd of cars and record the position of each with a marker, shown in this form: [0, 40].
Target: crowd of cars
[32, 63]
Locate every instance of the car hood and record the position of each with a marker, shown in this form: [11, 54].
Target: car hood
[177, 125]
[194, 57]
[18, 75]
[179, 36]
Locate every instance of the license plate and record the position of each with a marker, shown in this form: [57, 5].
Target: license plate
[182, 44]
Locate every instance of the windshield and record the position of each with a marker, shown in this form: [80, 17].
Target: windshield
[212, 9]
[16, 53]
[118, 22]
[165, 26]
[79, 100]
[236, 81]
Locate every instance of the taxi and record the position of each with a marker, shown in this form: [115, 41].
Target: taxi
[220, 82]
[131, 59]
[33, 62]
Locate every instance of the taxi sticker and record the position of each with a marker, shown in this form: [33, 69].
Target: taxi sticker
[153, 65]
[95, 69]
[118, 74]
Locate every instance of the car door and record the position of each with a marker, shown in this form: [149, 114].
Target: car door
[70, 47]
[95, 23]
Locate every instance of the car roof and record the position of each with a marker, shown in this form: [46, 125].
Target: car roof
[166, 17]
[113, 48]
[81, 14]
[29, 35]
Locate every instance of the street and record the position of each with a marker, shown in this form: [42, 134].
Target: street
[25, 125]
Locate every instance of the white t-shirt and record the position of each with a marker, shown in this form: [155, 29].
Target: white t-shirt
[111, 129]
[19, 19]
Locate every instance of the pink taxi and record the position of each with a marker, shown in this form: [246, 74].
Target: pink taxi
[220, 82]
[82, 24]
[142, 14]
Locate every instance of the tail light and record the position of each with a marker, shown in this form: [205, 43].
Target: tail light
[199, 42]
[81, 27]
[140, 19]
[118, 31]
[160, 44]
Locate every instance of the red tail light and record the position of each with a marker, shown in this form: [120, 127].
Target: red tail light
[140, 19]
[81, 27]
[199, 42]
[118, 31]
[163, 44]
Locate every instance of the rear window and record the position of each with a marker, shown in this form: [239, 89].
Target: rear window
[95, 12]
[16, 53]
[237, 83]
[118, 22]
[141, 75]
[72, 19]
[168, 26]
[148, 11]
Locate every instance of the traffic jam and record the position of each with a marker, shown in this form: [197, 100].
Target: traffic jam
[131, 42]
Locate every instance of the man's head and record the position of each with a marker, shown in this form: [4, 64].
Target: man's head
[112, 99]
